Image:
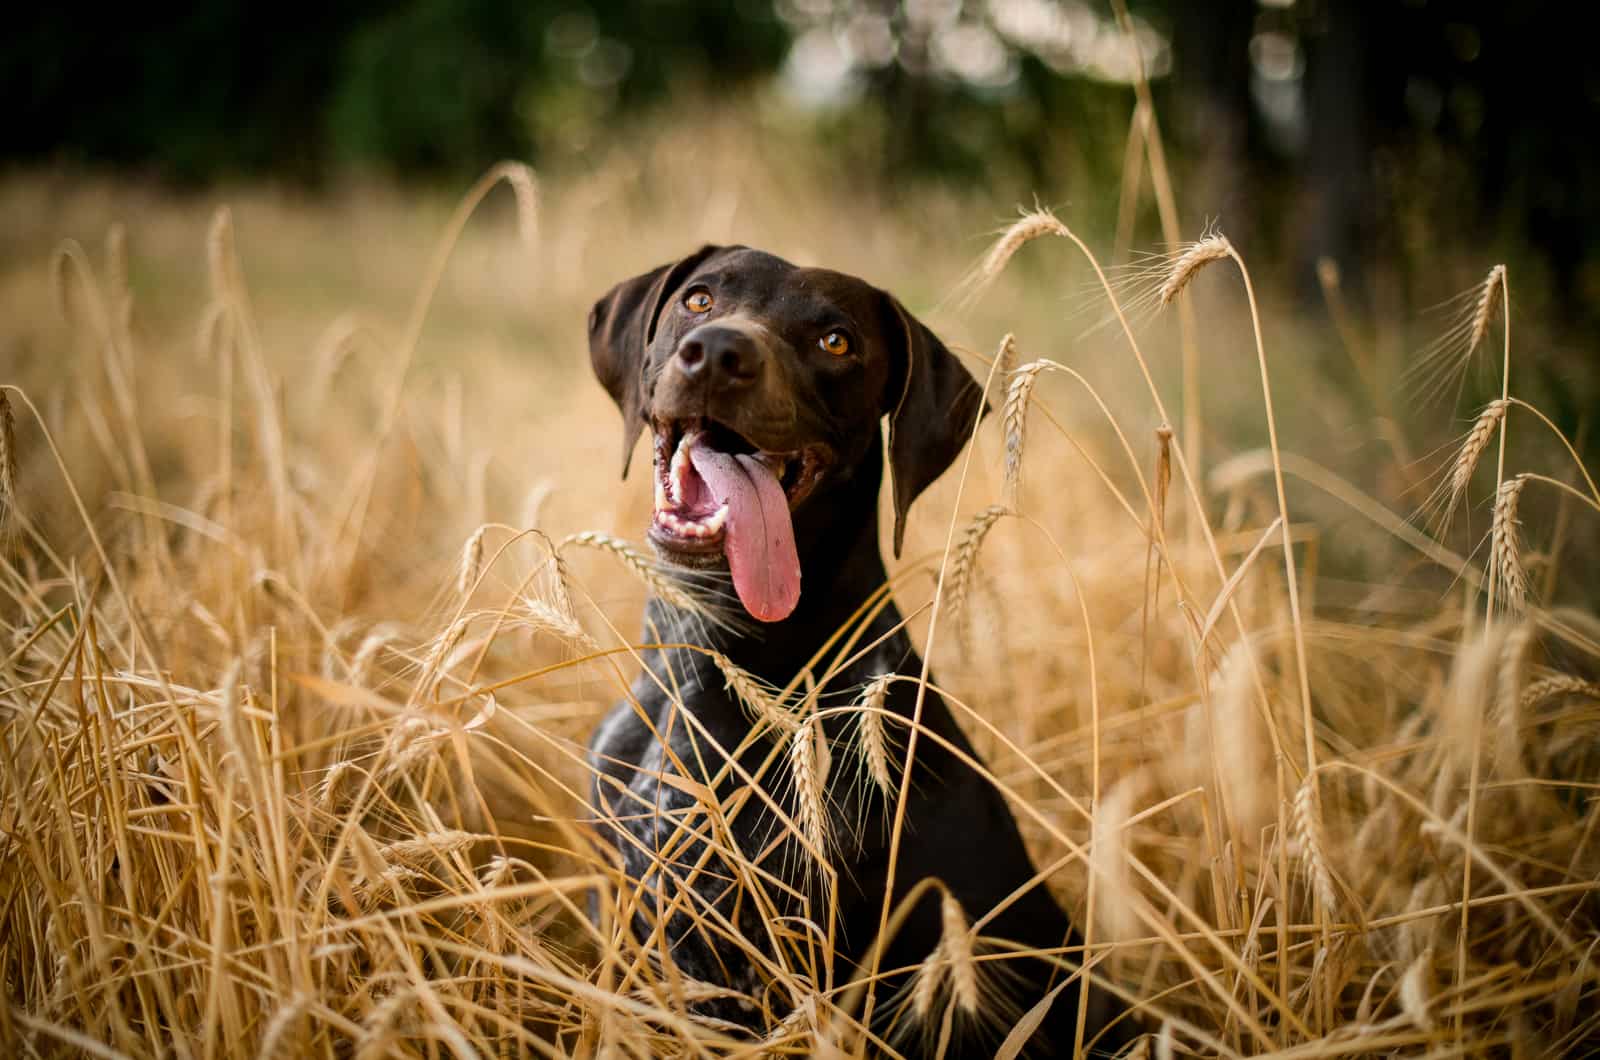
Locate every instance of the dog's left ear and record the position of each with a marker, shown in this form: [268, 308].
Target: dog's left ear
[937, 404]
[622, 325]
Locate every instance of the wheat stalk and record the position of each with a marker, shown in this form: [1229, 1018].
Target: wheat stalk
[282, 1036]
[1030, 226]
[237, 735]
[808, 765]
[471, 564]
[1490, 295]
[964, 563]
[220, 259]
[524, 185]
[1559, 685]
[8, 458]
[1508, 696]
[752, 695]
[1313, 845]
[662, 585]
[1108, 859]
[380, 1024]
[874, 745]
[1507, 544]
[424, 849]
[1014, 419]
[1477, 441]
[367, 653]
[1415, 989]
[1189, 263]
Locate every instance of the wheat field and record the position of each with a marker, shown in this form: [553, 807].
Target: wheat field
[317, 575]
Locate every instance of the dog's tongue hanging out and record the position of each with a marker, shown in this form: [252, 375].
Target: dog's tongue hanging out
[759, 536]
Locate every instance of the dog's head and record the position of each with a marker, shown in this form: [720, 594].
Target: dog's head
[763, 382]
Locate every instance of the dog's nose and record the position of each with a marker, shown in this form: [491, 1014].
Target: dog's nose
[725, 357]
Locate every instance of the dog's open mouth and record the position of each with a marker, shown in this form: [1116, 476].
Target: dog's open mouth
[717, 495]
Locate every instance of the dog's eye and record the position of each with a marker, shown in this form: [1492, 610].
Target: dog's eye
[698, 301]
[835, 342]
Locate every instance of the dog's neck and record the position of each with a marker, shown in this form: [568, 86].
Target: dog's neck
[841, 566]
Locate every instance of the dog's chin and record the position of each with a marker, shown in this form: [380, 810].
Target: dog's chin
[695, 551]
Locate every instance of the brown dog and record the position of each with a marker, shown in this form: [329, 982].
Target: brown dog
[764, 386]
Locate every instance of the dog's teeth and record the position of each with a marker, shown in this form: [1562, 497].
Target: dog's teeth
[678, 479]
[661, 493]
[713, 523]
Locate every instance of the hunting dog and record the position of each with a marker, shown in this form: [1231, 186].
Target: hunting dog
[765, 386]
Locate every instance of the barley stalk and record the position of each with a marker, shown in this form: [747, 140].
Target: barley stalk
[963, 565]
[1014, 419]
[1189, 263]
[1507, 545]
[874, 745]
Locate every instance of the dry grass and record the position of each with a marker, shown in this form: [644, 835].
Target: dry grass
[286, 768]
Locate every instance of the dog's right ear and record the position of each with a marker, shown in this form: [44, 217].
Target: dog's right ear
[622, 325]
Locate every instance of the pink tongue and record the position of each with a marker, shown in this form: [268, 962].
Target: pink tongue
[760, 537]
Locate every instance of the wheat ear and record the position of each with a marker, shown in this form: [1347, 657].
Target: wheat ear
[964, 564]
[1014, 419]
[1028, 227]
[874, 746]
[1490, 295]
[8, 458]
[1189, 263]
[663, 586]
[808, 763]
[1313, 845]
[752, 695]
[282, 1036]
[418, 852]
[1477, 441]
[1560, 685]
[1507, 543]
[471, 564]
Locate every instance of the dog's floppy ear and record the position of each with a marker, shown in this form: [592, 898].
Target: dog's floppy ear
[935, 406]
[621, 327]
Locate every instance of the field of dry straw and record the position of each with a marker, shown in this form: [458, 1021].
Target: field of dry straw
[308, 610]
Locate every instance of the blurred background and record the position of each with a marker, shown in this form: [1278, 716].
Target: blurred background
[1370, 159]
[1359, 130]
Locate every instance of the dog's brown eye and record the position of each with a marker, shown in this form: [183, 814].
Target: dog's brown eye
[835, 342]
[698, 301]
